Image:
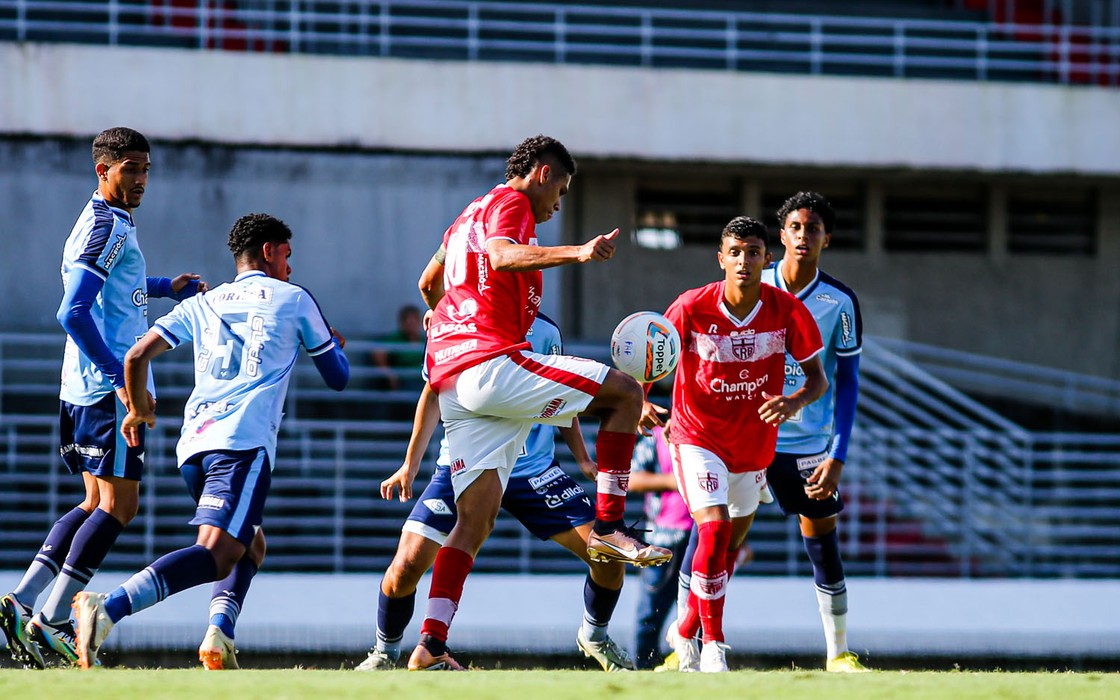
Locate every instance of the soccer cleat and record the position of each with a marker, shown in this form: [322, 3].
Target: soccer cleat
[847, 662]
[687, 651]
[57, 639]
[623, 544]
[14, 616]
[609, 655]
[378, 661]
[217, 652]
[422, 660]
[94, 626]
[671, 663]
[713, 657]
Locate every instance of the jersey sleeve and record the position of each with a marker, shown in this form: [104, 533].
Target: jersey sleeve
[314, 331]
[849, 331]
[176, 327]
[510, 218]
[803, 337]
[98, 254]
[677, 315]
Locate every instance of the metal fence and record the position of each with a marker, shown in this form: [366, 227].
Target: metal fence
[572, 33]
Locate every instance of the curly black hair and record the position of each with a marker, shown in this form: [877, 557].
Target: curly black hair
[535, 149]
[814, 202]
[252, 231]
[743, 227]
[110, 145]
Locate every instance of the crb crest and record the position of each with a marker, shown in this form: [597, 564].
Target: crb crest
[743, 346]
[708, 481]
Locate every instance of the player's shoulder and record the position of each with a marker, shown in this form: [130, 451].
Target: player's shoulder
[699, 294]
[773, 295]
[830, 285]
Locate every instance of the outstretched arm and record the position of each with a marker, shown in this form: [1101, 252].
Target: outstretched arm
[141, 407]
[182, 287]
[507, 256]
[423, 427]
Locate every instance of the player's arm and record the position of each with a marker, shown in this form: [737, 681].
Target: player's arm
[573, 438]
[333, 367]
[825, 479]
[182, 287]
[423, 427]
[141, 407]
[431, 279]
[778, 409]
[507, 256]
[82, 288]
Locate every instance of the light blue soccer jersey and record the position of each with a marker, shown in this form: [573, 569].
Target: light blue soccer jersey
[836, 310]
[540, 447]
[247, 335]
[103, 241]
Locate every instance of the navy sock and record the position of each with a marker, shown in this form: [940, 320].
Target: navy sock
[50, 557]
[824, 553]
[228, 596]
[91, 544]
[393, 616]
[171, 573]
[598, 608]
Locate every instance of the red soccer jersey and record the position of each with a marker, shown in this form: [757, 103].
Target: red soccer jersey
[483, 313]
[725, 366]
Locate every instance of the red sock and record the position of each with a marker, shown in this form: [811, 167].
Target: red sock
[689, 624]
[709, 576]
[448, 576]
[613, 451]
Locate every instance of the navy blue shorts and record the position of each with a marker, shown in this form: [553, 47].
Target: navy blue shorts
[91, 440]
[230, 488]
[546, 505]
[787, 478]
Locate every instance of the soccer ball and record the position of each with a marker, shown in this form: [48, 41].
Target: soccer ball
[645, 346]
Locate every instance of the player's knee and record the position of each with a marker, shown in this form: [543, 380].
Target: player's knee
[258, 549]
[608, 574]
[124, 511]
[402, 576]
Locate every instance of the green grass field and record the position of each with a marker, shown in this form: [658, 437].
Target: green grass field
[554, 685]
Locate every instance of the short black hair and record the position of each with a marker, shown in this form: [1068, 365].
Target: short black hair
[535, 149]
[814, 202]
[743, 227]
[110, 145]
[252, 231]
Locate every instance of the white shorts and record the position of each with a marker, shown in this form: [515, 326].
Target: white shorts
[703, 481]
[488, 409]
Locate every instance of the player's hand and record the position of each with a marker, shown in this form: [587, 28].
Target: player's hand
[651, 418]
[589, 469]
[338, 338]
[598, 248]
[777, 409]
[130, 426]
[428, 319]
[401, 479]
[186, 278]
[824, 480]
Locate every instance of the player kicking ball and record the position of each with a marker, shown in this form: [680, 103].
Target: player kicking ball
[247, 335]
[727, 406]
[548, 502]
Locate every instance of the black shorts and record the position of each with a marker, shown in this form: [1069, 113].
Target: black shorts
[786, 476]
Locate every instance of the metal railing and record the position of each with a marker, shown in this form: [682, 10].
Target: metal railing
[570, 33]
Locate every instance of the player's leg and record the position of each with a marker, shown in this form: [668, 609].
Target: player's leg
[235, 488]
[117, 469]
[424, 531]
[227, 599]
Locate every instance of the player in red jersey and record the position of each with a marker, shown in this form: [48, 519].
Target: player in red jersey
[492, 388]
[727, 406]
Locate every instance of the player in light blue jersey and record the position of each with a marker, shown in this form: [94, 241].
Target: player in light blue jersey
[247, 335]
[104, 311]
[813, 445]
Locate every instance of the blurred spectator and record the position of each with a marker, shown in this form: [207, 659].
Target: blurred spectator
[402, 364]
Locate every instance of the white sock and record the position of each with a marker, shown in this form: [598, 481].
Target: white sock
[833, 604]
[592, 632]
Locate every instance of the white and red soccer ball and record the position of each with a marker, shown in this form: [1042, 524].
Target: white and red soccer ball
[645, 346]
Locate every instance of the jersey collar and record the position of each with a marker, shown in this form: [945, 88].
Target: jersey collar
[780, 281]
[120, 213]
[249, 273]
[739, 322]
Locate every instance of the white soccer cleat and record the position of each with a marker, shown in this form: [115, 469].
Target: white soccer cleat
[93, 626]
[378, 661]
[687, 650]
[217, 652]
[713, 657]
[609, 655]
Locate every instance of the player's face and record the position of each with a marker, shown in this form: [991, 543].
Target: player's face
[742, 261]
[803, 235]
[549, 185]
[122, 184]
[276, 260]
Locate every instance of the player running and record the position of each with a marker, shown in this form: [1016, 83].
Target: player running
[104, 310]
[548, 502]
[813, 443]
[727, 406]
[247, 335]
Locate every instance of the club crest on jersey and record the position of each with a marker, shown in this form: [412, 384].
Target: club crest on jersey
[743, 346]
[708, 481]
